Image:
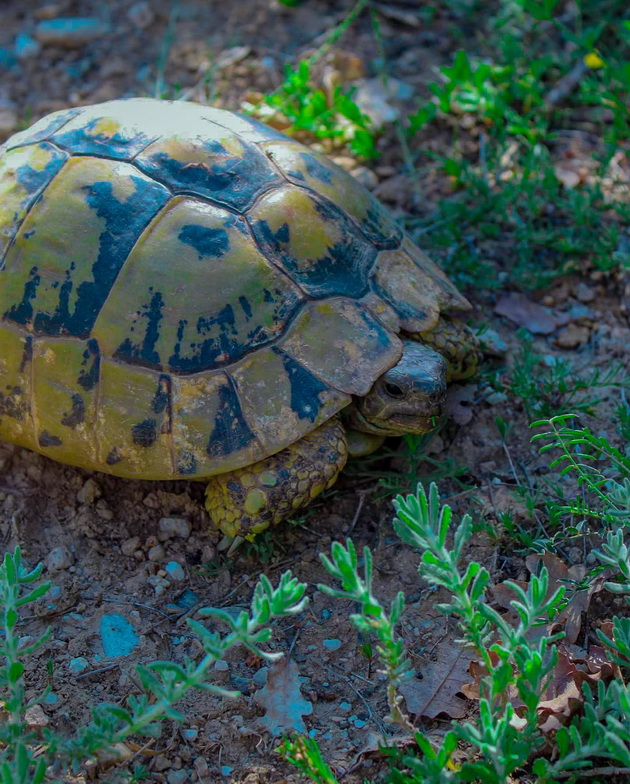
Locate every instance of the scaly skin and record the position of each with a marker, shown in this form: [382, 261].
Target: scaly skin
[457, 343]
[246, 501]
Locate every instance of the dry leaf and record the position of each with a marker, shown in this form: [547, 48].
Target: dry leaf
[456, 398]
[525, 313]
[442, 680]
[571, 616]
[282, 699]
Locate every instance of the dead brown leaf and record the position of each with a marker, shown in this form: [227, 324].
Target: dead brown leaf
[442, 680]
[282, 699]
[525, 313]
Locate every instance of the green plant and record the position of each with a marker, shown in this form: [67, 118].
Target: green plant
[546, 386]
[25, 755]
[323, 115]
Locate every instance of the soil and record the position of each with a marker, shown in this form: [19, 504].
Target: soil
[116, 548]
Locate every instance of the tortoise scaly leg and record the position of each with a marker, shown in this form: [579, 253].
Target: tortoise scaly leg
[457, 343]
[246, 501]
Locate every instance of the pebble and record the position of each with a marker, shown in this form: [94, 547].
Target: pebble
[70, 32]
[584, 293]
[78, 665]
[26, 47]
[8, 61]
[159, 584]
[89, 492]
[201, 766]
[141, 15]
[226, 770]
[178, 776]
[260, 676]
[171, 527]
[35, 716]
[156, 553]
[187, 599]
[118, 635]
[175, 571]
[572, 336]
[191, 733]
[366, 177]
[58, 559]
[161, 763]
[129, 546]
[221, 666]
[332, 645]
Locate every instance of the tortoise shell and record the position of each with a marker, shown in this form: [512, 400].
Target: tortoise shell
[185, 291]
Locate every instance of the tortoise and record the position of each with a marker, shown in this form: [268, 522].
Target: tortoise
[188, 293]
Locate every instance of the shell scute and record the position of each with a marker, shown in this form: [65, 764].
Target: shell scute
[64, 408]
[24, 174]
[195, 293]
[340, 342]
[313, 241]
[55, 279]
[133, 421]
[210, 431]
[16, 422]
[221, 167]
[282, 399]
[314, 170]
[42, 129]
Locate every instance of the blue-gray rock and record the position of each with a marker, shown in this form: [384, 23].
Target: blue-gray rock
[70, 32]
[118, 635]
[26, 46]
[58, 559]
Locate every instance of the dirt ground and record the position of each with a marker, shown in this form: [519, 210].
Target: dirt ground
[101, 537]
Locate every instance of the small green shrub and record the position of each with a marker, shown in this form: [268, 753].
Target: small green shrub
[28, 757]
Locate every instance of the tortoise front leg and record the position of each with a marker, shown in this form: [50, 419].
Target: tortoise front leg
[251, 499]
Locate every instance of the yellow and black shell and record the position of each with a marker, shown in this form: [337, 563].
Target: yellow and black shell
[184, 291]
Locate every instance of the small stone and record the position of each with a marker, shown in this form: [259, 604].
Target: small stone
[35, 716]
[8, 61]
[129, 546]
[178, 776]
[191, 733]
[186, 600]
[584, 293]
[221, 666]
[118, 635]
[89, 492]
[78, 665]
[141, 15]
[58, 559]
[572, 336]
[226, 770]
[70, 32]
[171, 527]
[366, 177]
[260, 676]
[161, 763]
[332, 645]
[156, 553]
[175, 571]
[201, 767]
[159, 584]
[26, 47]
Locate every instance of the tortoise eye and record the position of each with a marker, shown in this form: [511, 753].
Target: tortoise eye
[393, 390]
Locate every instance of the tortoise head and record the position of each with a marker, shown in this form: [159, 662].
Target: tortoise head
[408, 398]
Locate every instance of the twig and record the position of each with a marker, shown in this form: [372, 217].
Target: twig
[608, 771]
[565, 85]
[357, 514]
